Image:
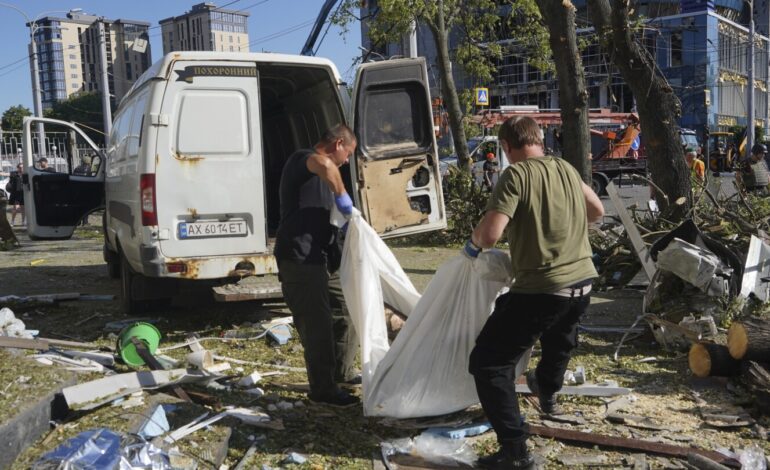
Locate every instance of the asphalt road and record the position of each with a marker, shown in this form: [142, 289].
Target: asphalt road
[637, 193]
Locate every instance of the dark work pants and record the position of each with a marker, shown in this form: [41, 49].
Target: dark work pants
[517, 322]
[323, 323]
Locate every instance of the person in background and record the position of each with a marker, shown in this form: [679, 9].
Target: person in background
[696, 165]
[753, 174]
[491, 170]
[308, 251]
[546, 208]
[15, 188]
[42, 165]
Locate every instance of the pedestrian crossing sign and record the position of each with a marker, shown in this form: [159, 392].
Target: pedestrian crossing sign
[482, 96]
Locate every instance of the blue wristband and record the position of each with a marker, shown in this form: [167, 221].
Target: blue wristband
[471, 249]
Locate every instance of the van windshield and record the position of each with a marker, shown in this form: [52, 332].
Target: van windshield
[395, 117]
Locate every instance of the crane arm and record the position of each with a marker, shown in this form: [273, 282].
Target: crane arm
[307, 49]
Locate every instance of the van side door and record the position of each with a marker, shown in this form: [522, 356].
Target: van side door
[57, 198]
[395, 166]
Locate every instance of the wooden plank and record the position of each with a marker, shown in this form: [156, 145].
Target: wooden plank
[633, 233]
[601, 440]
[42, 344]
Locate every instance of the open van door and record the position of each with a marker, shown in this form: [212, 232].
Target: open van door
[395, 166]
[58, 197]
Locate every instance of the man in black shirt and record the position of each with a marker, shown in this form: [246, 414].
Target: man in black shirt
[308, 251]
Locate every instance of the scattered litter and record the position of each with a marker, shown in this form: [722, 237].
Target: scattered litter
[727, 421]
[36, 262]
[279, 334]
[608, 388]
[461, 432]
[13, 327]
[251, 416]
[250, 380]
[95, 448]
[200, 360]
[431, 448]
[120, 324]
[89, 395]
[753, 458]
[695, 265]
[71, 364]
[157, 424]
[256, 391]
[294, 458]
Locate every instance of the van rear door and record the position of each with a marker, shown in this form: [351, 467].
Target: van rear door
[57, 198]
[395, 165]
[209, 171]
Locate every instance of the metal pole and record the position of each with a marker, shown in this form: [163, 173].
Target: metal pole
[750, 110]
[37, 101]
[413, 39]
[106, 111]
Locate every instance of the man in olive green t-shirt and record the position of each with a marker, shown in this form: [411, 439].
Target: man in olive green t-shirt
[546, 207]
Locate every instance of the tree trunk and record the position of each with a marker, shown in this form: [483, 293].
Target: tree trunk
[757, 380]
[449, 92]
[712, 360]
[750, 339]
[659, 109]
[573, 98]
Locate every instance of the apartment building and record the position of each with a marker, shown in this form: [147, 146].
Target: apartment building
[68, 55]
[206, 28]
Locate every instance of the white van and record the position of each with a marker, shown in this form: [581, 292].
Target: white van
[190, 178]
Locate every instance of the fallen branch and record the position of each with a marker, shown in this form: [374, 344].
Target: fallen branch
[658, 448]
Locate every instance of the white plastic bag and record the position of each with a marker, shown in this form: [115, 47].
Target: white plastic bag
[425, 372]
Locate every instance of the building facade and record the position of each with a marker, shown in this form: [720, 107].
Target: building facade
[68, 55]
[206, 28]
[700, 46]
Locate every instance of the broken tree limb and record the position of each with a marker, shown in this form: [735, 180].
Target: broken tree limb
[633, 233]
[750, 339]
[712, 360]
[629, 444]
[704, 463]
[757, 379]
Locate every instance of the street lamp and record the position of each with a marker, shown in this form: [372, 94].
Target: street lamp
[33, 28]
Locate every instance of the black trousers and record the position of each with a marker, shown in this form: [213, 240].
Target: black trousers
[322, 320]
[516, 323]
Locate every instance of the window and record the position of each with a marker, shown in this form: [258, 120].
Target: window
[231, 48]
[75, 85]
[231, 38]
[74, 75]
[73, 56]
[395, 117]
[198, 134]
[73, 66]
[676, 50]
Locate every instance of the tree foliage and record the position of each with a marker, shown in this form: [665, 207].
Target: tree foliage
[84, 109]
[474, 27]
[13, 117]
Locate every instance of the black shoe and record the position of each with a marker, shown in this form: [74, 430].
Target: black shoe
[548, 404]
[504, 460]
[356, 380]
[340, 400]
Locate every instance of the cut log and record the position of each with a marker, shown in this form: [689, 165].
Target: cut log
[712, 360]
[750, 340]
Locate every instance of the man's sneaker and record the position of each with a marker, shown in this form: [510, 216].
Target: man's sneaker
[503, 459]
[357, 380]
[548, 403]
[341, 400]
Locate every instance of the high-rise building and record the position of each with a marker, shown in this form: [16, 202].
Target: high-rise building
[68, 55]
[206, 28]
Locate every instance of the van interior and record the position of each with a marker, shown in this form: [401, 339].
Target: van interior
[298, 103]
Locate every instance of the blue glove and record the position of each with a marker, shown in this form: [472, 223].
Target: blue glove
[344, 204]
[344, 229]
[471, 250]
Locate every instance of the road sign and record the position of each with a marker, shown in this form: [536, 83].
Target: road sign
[482, 96]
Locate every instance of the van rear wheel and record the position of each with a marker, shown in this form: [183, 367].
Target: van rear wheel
[128, 278]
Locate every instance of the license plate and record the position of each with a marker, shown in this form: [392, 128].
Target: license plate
[231, 228]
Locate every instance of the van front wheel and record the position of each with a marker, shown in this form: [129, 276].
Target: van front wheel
[128, 279]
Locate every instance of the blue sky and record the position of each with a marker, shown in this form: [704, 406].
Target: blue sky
[278, 25]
